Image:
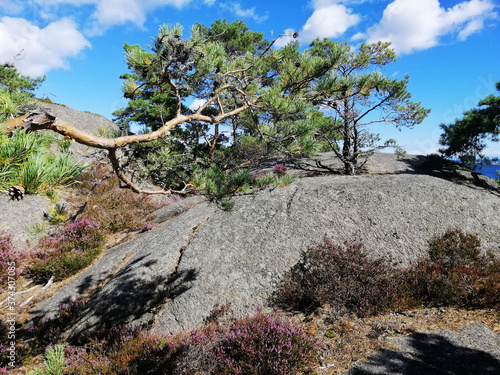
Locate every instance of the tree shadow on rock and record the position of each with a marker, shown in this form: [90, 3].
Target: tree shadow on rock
[429, 354]
[134, 295]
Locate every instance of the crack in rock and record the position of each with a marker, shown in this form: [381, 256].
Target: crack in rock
[289, 203]
[184, 247]
[176, 275]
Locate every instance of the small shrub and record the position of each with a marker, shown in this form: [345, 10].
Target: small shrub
[50, 331]
[11, 260]
[280, 170]
[218, 186]
[140, 354]
[37, 231]
[455, 272]
[54, 362]
[343, 277]
[264, 179]
[263, 344]
[117, 209]
[57, 214]
[66, 253]
[285, 180]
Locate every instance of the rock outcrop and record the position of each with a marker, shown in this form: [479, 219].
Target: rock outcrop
[17, 217]
[171, 277]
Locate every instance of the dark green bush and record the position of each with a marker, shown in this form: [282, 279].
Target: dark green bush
[343, 277]
[455, 272]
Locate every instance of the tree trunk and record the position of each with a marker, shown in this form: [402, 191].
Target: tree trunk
[214, 143]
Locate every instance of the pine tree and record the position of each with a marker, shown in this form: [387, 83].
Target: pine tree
[357, 95]
[15, 91]
[465, 138]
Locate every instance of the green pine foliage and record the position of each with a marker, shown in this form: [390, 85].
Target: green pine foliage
[15, 91]
[352, 88]
[25, 160]
[466, 138]
[220, 185]
[54, 362]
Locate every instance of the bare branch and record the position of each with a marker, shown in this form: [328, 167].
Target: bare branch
[214, 96]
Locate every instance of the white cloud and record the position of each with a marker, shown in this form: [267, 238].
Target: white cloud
[113, 12]
[116, 12]
[197, 103]
[249, 13]
[43, 49]
[59, 2]
[329, 20]
[108, 13]
[418, 25]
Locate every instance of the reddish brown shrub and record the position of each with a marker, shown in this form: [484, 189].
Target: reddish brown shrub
[262, 344]
[455, 272]
[114, 208]
[343, 277]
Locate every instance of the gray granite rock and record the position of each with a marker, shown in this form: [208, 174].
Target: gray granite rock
[203, 256]
[473, 350]
[16, 217]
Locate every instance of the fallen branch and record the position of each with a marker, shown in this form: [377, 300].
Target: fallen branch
[49, 283]
[18, 294]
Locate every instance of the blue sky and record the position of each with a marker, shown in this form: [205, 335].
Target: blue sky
[450, 49]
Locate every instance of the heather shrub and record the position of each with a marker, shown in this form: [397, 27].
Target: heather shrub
[22, 351]
[343, 277]
[50, 331]
[114, 208]
[280, 170]
[66, 253]
[109, 350]
[262, 344]
[11, 260]
[455, 272]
